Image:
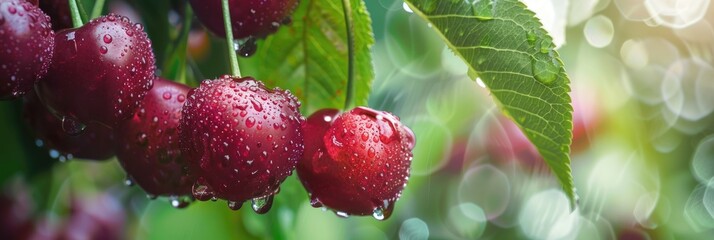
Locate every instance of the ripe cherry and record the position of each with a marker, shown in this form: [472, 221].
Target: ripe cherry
[357, 162]
[100, 71]
[148, 143]
[58, 10]
[256, 18]
[96, 142]
[241, 140]
[26, 47]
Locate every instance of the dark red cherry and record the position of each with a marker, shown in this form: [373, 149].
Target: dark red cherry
[100, 71]
[241, 140]
[58, 10]
[148, 143]
[26, 47]
[256, 18]
[96, 142]
[356, 163]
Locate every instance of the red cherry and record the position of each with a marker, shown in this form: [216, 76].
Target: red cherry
[356, 163]
[26, 47]
[256, 18]
[241, 140]
[100, 71]
[148, 143]
[58, 10]
[95, 142]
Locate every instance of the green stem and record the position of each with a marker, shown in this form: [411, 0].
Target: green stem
[185, 32]
[97, 10]
[349, 98]
[82, 12]
[235, 69]
[74, 11]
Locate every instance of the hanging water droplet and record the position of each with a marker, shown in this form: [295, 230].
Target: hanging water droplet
[235, 206]
[262, 205]
[201, 191]
[177, 202]
[482, 9]
[128, 181]
[248, 48]
[545, 67]
[378, 214]
[342, 214]
[72, 126]
[314, 202]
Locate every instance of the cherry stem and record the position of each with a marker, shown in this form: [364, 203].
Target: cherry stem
[349, 98]
[235, 69]
[74, 11]
[185, 32]
[97, 10]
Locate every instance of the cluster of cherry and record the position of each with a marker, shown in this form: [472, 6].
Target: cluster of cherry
[91, 93]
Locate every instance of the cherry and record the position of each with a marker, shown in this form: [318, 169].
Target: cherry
[58, 10]
[100, 71]
[148, 143]
[357, 162]
[256, 18]
[95, 142]
[26, 47]
[241, 140]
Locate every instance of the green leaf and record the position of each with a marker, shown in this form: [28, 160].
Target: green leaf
[309, 56]
[503, 44]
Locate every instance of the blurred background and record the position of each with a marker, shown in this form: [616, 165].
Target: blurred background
[643, 151]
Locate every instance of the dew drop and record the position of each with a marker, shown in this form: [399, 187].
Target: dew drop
[545, 68]
[314, 202]
[11, 9]
[103, 50]
[107, 38]
[167, 95]
[72, 126]
[342, 214]
[177, 202]
[262, 205]
[129, 181]
[378, 214]
[250, 122]
[235, 206]
[248, 48]
[201, 191]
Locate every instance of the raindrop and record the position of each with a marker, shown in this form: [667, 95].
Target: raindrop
[247, 48]
[107, 38]
[545, 67]
[201, 191]
[235, 206]
[129, 181]
[342, 214]
[380, 214]
[177, 202]
[103, 50]
[482, 9]
[72, 126]
[262, 205]
[250, 122]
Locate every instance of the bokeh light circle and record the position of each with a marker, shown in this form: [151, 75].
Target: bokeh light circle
[687, 88]
[546, 215]
[599, 31]
[414, 229]
[677, 13]
[468, 220]
[703, 160]
[487, 187]
[431, 152]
